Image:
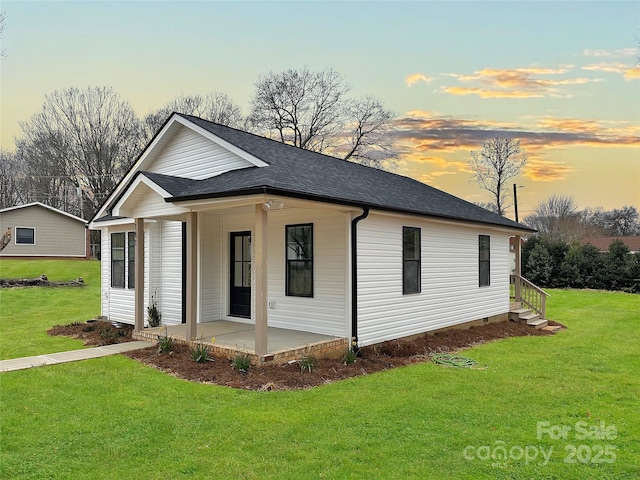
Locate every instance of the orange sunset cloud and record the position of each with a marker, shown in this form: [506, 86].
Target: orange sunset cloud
[632, 74]
[417, 77]
[421, 134]
[546, 171]
[516, 83]
[629, 73]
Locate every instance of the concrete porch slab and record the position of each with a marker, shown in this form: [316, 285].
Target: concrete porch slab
[241, 336]
[230, 337]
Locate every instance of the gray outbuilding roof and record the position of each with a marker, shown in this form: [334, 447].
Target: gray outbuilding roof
[292, 171]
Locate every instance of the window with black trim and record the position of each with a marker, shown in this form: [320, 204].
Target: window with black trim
[411, 256]
[299, 260]
[123, 257]
[484, 260]
[25, 236]
[131, 259]
[117, 260]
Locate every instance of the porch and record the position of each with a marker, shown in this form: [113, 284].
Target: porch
[232, 338]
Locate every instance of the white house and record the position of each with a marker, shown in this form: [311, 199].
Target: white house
[219, 224]
[38, 230]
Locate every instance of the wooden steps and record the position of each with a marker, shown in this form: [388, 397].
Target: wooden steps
[526, 316]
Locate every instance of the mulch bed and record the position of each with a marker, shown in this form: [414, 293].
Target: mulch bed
[94, 333]
[289, 376]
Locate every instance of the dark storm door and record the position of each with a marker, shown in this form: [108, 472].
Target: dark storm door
[240, 285]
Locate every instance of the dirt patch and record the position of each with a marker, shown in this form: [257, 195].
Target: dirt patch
[95, 333]
[41, 281]
[290, 376]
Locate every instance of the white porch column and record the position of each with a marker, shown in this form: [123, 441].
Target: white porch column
[192, 276]
[517, 284]
[259, 265]
[139, 275]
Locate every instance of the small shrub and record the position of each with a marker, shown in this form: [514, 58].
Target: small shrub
[350, 356]
[153, 313]
[88, 328]
[109, 336]
[73, 324]
[307, 363]
[200, 352]
[241, 362]
[165, 342]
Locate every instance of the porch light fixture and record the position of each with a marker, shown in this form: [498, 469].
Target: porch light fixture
[272, 205]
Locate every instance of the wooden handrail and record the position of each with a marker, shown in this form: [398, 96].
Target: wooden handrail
[530, 295]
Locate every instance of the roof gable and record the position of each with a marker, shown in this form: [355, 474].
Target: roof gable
[184, 149]
[42, 205]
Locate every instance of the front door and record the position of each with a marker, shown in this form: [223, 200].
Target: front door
[240, 290]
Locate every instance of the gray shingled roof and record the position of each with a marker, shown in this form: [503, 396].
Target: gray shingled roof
[292, 171]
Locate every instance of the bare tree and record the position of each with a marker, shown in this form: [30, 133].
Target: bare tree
[487, 206]
[499, 159]
[216, 107]
[311, 110]
[625, 221]
[12, 180]
[82, 141]
[557, 218]
[46, 171]
[618, 222]
[369, 133]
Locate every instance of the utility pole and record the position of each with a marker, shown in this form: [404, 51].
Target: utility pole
[515, 199]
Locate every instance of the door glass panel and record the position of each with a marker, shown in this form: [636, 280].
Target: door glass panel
[237, 274]
[237, 248]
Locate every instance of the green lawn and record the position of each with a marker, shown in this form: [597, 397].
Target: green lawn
[114, 418]
[27, 313]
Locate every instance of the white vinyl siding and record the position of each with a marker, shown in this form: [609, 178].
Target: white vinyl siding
[153, 205]
[171, 276]
[118, 304]
[325, 313]
[450, 293]
[105, 271]
[211, 275]
[192, 155]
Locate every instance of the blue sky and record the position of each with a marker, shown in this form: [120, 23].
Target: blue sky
[563, 76]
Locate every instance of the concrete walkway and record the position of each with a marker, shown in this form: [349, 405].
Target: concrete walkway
[71, 356]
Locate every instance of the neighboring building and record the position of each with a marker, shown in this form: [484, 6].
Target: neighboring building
[602, 243]
[38, 230]
[219, 224]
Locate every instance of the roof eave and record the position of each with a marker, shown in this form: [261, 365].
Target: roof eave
[268, 190]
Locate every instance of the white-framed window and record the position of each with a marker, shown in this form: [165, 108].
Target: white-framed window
[25, 236]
